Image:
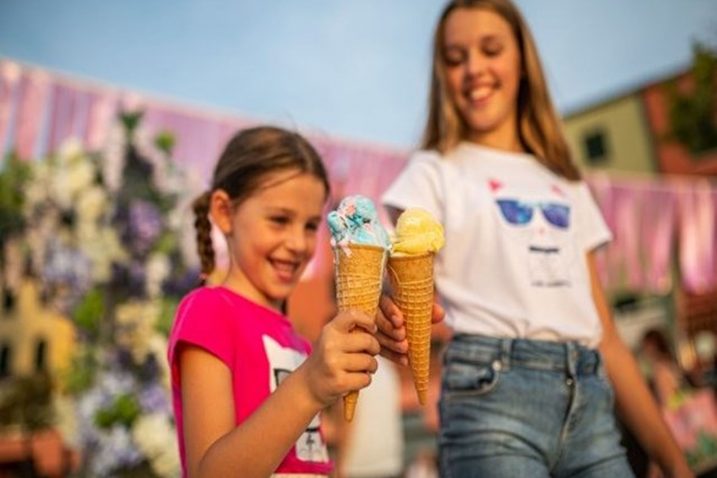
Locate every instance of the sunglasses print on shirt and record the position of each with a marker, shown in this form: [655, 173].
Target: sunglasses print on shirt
[520, 213]
[545, 260]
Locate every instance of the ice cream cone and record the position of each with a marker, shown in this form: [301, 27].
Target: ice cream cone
[411, 278]
[359, 270]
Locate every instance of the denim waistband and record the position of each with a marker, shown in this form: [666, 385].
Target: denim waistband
[570, 357]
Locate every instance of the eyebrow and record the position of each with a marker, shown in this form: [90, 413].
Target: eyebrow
[488, 37]
[288, 211]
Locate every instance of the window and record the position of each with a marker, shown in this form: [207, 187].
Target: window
[595, 147]
[8, 302]
[5, 360]
[40, 355]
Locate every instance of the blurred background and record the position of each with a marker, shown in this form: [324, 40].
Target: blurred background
[112, 115]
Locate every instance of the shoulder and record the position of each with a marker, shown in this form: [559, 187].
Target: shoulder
[205, 310]
[580, 191]
[206, 318]
[203, 299]
[426, 155]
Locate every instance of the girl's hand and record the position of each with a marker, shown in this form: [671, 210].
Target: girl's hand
[343, 358]
[392, 329]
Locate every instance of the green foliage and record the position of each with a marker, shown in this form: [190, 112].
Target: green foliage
[130, 121]
[27, 401]
[124, 411]
[89, 312]
[164, 141]
[166, 316]
[13, 179]
[693, 115]
[166, 244]
[80, 376]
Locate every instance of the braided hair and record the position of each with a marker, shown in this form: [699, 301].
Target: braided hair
[248, 157]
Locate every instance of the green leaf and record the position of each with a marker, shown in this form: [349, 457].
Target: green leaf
[165, 141]
[88, 314]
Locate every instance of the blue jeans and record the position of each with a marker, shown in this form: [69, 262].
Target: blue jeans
[526, 408]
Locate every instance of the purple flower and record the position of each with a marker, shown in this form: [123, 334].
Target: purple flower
[145, 225]
[154, 398]
[66, 275]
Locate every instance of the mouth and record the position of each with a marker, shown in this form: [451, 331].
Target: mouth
[286, 270]
[479, 94]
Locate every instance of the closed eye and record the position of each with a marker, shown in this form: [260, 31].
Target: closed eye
[454, 56]
[491, 46]
[279, 220]
[313, 225]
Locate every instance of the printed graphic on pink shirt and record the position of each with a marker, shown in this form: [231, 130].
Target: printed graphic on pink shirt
[283, 361]
[539, 226]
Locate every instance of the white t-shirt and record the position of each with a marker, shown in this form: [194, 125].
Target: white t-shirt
[375, 441]
[517, 234]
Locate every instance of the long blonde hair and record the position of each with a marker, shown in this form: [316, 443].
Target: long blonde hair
[539, 128]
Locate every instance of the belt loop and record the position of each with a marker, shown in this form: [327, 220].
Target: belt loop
[598, 362]
[506, 346]
[571, 359]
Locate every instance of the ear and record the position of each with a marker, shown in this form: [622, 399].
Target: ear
[220, 210]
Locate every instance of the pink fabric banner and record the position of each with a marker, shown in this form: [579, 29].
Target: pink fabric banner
[32, 104]
[101, 114]
[9, 79]
[61, 115]
[697, 235]
[658, 239]
[642, 215]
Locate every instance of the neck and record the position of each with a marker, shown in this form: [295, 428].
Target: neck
[505, 137]
[239, 284]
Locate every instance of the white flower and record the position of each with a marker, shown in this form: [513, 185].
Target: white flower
[103, 247]
[70, 177]
[157, 270]
[155, 436]
[37, 190]
[66, 423]
[157, 345]
[91, 204]
[135, 326]
[69, 150]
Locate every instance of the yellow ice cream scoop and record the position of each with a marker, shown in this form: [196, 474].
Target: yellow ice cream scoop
[417, 232]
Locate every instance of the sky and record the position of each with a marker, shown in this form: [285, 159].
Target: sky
[356, 69]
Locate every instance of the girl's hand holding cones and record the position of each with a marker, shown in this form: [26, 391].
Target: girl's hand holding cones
[391, 333]
[343, 358]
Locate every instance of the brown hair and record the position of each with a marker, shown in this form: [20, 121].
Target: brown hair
[539, 128]
[248, 157]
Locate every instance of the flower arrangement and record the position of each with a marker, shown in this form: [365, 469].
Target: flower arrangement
[101, 235]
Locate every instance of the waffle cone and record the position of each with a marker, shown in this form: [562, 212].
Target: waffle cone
[412, 283]
[359, 270]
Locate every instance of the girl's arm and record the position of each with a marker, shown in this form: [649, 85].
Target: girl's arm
[634, 400]
[215, 447]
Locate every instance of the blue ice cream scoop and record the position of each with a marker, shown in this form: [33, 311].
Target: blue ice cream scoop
[355, 221]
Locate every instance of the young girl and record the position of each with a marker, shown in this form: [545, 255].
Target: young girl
[246, 397]
[525, 388]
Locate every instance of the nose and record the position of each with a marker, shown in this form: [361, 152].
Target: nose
[475, 62]
[297, 241]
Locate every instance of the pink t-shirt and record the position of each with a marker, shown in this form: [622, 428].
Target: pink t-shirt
[260, 347]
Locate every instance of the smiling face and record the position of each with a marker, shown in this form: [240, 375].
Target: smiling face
[271, 235]
[482, 74]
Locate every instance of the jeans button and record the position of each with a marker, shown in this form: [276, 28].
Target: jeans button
[569, 382]
[496, 365]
